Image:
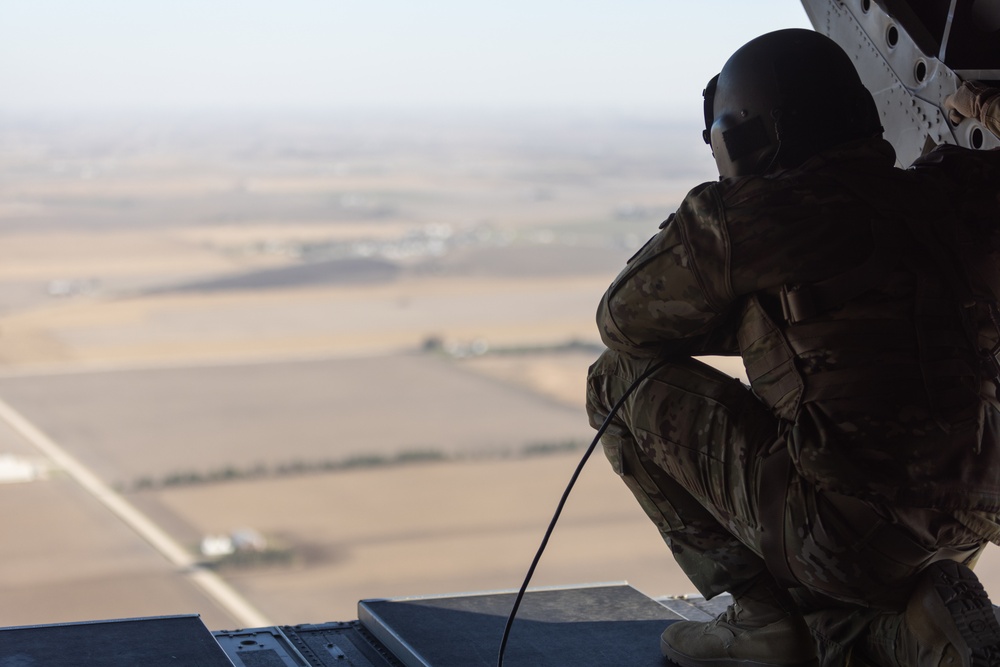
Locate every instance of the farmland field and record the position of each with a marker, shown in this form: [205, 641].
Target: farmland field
[367, 347]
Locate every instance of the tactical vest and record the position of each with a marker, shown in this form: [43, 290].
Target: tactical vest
[885, 374]
[880, 329]
[918, 321]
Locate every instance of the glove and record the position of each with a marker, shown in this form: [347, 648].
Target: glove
[971, 100]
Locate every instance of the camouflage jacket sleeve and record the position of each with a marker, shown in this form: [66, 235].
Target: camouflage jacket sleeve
[674, 297]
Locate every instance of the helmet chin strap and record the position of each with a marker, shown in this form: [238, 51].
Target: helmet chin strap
[772, 159]
[776, 117]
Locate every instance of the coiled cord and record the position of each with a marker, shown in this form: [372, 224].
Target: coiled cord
[562, 502]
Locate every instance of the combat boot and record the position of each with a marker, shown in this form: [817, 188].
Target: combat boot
[745, 635]
[949, 622]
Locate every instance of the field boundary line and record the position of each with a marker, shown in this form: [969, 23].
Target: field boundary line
[208, 581]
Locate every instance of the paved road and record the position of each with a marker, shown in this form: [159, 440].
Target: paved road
[76, 544]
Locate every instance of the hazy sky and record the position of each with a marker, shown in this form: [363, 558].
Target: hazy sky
[621, 55]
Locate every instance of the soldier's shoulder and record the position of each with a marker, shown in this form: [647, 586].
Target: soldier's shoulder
[703, 204]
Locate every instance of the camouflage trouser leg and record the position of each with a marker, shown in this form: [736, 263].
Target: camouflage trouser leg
[687, 443]
[691, 443]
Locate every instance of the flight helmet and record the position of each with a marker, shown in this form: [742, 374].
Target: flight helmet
[782, 98]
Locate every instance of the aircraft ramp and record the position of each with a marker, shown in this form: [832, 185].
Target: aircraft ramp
[587, 626]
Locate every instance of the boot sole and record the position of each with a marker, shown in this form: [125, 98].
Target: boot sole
[964, 612]
[683, 660]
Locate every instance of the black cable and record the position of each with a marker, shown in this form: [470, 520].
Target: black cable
[562, 502]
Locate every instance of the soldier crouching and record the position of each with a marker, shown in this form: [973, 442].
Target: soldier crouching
[842, 498]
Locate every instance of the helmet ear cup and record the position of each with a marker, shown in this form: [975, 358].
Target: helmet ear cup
[743, 146]
[746, 138]
[738, 139]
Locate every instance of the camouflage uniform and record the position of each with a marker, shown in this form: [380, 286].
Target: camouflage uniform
[869, 444]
